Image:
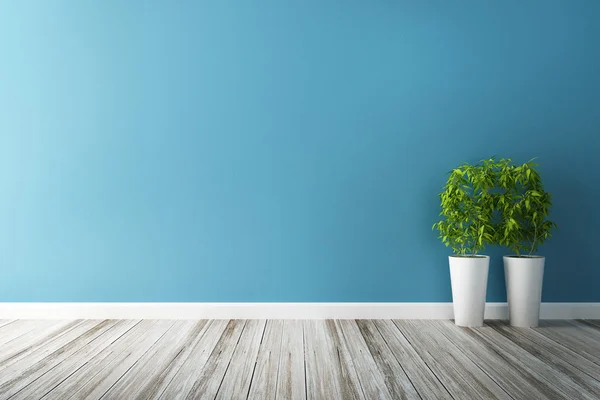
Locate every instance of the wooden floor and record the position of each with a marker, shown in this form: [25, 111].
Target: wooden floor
[310, 359]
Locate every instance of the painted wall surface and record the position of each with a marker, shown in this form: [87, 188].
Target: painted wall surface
[283, 150]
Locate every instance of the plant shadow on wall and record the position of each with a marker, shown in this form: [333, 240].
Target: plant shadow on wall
[495, 202]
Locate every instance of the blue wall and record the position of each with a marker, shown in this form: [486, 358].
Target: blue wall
[282, 150]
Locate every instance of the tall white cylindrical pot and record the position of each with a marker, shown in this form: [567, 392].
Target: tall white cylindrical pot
[468, 276]
[524, 278]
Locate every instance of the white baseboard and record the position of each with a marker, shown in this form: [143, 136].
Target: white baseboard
[275, 311]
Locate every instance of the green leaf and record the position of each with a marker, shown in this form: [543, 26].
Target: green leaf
[494, 202]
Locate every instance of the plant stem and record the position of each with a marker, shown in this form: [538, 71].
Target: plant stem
[534, 239]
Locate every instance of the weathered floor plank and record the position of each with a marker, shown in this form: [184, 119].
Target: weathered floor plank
[16, 329]
[19, 347]
[208, 383]
[191, 370]
[6, 322]
[264, 382]
[395, 378]
[594, 322]
[578, 370]
[522, 359]
[297, 360]
[25, 371]
[579, 337]
[62, 370]
[323, 369]
[350, 383]
[291, 377]
[145, 376]
[516, 381]
[422, 377]
[96, 368]
[585, 328]
[119, 365]
[236, 381]
[369, 377]
[459, 374]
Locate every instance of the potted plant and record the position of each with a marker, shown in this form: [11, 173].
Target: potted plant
[468, 204]
[523, 227]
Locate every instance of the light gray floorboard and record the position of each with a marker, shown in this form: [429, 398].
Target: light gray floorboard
[143, 379]
[577, 369]
[62, 370]
[323, 369]
[6, 322]
[18, 375]
[585, 329]
[97, 368]
[208, 383]
[422, 377]
[595, 322]
[191, 370]
[395, 378]
[20, 346]
[522, 359]
[236, 382]
[291, 378]
[350, 383]
[16, 329]
[515, 380]
[118, 366]
[459, 374]
[287, 359]
[264, 381]
[189, 343]
[578, 336]
[370, 378]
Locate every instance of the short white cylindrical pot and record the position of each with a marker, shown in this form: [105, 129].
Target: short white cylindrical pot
[524, 278]
[469, 276]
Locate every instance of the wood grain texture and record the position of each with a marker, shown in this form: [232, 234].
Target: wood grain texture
[56, 375]
[316, 359]
[16, 329]
[188, 345]
[291, 377]
[6, 322]
[458, 373]
[236, 382]
[266, 374]
[96, 368]
[324, 372]
[585, 328]
[369, 376]
[25, 371]
[191, 370]
[516, 381]
[117, 366]
[26, 343]
[350, 383]
[522, 359]
[44, 346]
[145, 377]
[593, 322]
[422, 377]
[394, 376]
[208, 383]
[579, 336]
[578, 370]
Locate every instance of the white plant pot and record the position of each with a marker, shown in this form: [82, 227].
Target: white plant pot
[469, 276]
[524, 277]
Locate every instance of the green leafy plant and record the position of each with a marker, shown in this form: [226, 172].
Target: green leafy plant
[468, 206]
[524, 208]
